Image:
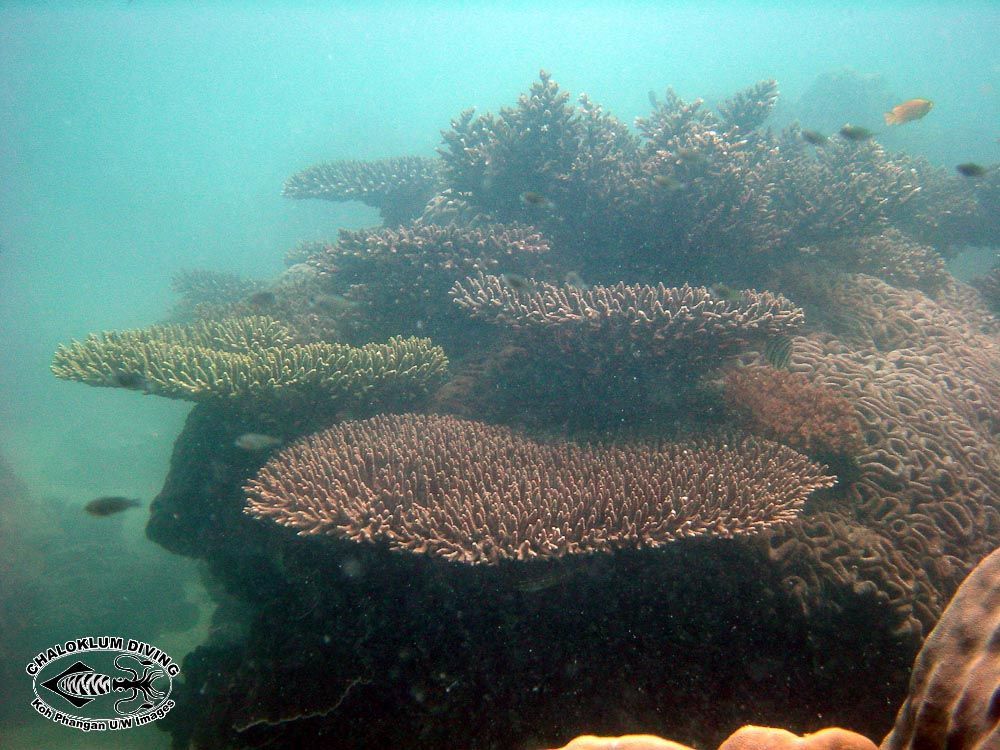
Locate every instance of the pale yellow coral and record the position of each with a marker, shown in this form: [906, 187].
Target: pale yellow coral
[244, 357]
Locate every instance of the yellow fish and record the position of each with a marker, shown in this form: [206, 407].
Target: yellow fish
[908, 111]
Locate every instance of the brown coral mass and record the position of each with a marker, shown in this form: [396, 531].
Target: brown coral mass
[788, 408]
[954, 699]
[477, 493]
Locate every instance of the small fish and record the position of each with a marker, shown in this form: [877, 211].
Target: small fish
[134, 381]
[515, 281]
[908, 111]
[254, 441]
[855, 133]
[971, 169]
[669, 183]
[778, 352]
[262, 299]
[814, 137]
[572, 278]
[109, 505]
[531, 198]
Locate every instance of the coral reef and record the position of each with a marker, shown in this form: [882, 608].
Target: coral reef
[651, 323]
[398, 187]
[788, 408]
[246, 358]
[954, 698]
[415, 651]
[924, 377]
[474, 493]
[583, 273]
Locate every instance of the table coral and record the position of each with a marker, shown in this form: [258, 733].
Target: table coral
[253, 357]
[475, 493]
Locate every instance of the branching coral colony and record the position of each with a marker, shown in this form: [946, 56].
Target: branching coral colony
[616, 291]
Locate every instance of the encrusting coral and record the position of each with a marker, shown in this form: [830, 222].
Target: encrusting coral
[398, 187]
[475, 493]
[788, 408]
[253, 357]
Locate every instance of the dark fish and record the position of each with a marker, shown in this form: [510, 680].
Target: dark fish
[134, 381]
[262, 299]
[778, 352]
[109, 505]
[855, 133]
[531, 198]
[668, 182]
[971, 169]
[515, 281]
[814, 137]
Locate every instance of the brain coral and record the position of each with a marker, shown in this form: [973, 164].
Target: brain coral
[924, 377]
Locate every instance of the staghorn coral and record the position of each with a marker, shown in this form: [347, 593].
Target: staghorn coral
[398, 187]
[579, 159]
[788, 408]
[475, 493]
[954, 698]
[687, 324]
[737, 194]
[924, 378]
[748, 109]
[253, 357]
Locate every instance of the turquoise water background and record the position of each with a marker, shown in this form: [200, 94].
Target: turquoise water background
[138, 139]
[143, 138]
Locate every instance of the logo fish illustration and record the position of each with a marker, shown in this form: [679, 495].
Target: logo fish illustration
[79, 684]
